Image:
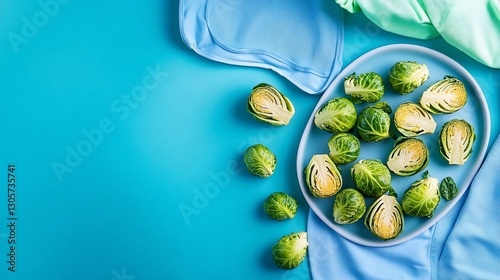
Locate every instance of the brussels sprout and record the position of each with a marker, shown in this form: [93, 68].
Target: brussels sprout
[371, 177]
[337, 115]
[412, 120]
[260, 161]
[322, 176]
[385, 218]
[408, 157]
[290, 250]
[368, 87]
[348, 207]
[373, 124]
[344, 148]
[448, 188]
[280, 206]
[422, 197]
[455, 141]
[445, 96]
[267, 104]
[406, 76]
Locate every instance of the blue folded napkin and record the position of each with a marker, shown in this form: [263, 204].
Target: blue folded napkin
[300, 40]
[465, 244]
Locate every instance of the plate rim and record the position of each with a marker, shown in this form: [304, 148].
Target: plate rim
[326, 96]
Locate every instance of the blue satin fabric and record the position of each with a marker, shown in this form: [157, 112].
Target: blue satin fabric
[300, 40]
[465, 244]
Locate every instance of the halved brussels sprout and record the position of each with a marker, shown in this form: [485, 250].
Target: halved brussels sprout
[455, 141]
[374, 123]
[280, 206]
[368, 87]
[290, 250]
[260, 161]
[385, 218]
[344, 148]
[348, 207]
[337, 115]
[422, 197]
[406, 76]
[371, 177]
[412, 120]
[445, 96]
[322, 176]
[267, 104]
[408, 157]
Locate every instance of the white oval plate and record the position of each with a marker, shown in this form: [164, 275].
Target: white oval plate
[380, 60]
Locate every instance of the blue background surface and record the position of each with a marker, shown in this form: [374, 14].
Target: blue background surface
[128, 145]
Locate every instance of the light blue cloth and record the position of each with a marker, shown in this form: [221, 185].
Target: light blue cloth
[300, 40]
[465, 244]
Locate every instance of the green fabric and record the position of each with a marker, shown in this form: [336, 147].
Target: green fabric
[471, 26]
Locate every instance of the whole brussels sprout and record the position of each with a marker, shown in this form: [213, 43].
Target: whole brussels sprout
[337, 115]
[259, 160]
[367, 87]
[408, 157]
[290, 250]
[344, 148]
[374, 123]
[280, 206]
[371, 177]
[267, 104]
[322, 176]
[455, 141]
[445, 96]
[406, 76]
[412, 120]
[384, 218]
[422, 197]
[349, 206]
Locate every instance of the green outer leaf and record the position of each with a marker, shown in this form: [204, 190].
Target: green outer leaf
[269, 105]
[349, 206]
[367, 87]
[280, 206]
[385, 218]
[421, 198]
[448, 188]
[337, 115]
[344, 148]
[371, 177]
[373, 125]
[406, 76]
[260, 161]
[290, 250]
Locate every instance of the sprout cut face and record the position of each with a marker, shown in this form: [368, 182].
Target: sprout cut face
[412, 120]
[344, 148]
[373, 124]
[406, 76]
[337, 115]
[455, 141]
[422, 197]
[260, 161]
[408, 157]
[371, 177]
[445, 96]
[267, 104]
[280, 206]
[322, 176]
[349, 206]
[290, 250]
[367, 87]
[384, 218]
